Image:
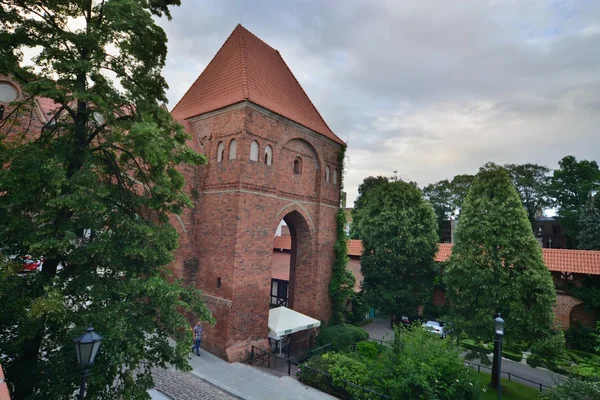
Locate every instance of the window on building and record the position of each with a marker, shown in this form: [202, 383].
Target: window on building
[335, 176]
[327, 173]
[8, 92]
[269, 155]
[232, 149]
[254, 151]
[220, 151]
[298, 166]
[219, 283]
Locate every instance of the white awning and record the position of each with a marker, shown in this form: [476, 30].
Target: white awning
[283, 321]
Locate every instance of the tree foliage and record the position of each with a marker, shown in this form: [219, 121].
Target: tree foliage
[570, 186]
[369, 183]
[531, 182]
[497, 265]
[93, 192]
[589, 222]
[341, 285]
[446, 197]
[398, 232]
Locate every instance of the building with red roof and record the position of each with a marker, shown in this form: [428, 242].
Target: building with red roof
[565, 266]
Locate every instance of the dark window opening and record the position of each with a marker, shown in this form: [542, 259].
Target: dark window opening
[298, 166]
[218, 282]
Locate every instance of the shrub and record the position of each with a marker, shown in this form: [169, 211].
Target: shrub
[313, 373]
[581, 338]
[341, 337]
[367, 349]
[549, 352]
[426, 367]
[360, 308]
[573, 389]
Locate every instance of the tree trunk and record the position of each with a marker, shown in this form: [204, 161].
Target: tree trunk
[494, 382]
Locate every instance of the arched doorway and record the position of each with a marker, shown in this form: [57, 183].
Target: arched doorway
[580, 316]
[292, 268]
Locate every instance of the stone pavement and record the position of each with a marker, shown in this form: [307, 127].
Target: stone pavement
[251, 383]
[179, 385]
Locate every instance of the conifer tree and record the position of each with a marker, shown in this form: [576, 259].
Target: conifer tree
[497, 265]
[92, 191]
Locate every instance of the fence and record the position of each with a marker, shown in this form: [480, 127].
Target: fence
[313, 377]
[510, 375]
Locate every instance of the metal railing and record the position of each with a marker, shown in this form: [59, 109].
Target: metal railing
[510, 375]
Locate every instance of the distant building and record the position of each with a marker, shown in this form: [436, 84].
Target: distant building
[549, 233]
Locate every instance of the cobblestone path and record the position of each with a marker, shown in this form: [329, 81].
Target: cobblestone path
[184, 386]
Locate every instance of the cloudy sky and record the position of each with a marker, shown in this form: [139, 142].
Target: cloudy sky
[429, 89]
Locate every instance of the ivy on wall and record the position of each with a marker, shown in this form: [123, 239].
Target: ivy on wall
[341, 286]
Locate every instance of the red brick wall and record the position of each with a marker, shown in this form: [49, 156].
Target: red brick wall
[27, 123]
[238, 206]
[4, 395]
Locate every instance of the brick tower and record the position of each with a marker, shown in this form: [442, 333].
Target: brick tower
[271, 156]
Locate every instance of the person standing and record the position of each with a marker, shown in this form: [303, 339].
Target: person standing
[198, 333]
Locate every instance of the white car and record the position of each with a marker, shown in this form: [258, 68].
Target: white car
[436, 328]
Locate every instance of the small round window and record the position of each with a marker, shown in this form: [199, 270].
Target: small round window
[8, 92]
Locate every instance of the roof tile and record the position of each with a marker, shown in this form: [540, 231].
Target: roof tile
[561, 260]
[246, 68]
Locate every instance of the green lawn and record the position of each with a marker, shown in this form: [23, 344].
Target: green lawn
[510, 390]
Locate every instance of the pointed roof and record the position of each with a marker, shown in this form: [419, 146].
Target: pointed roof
[246, 68]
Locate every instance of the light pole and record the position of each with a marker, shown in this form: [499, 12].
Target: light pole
[86, 347]
[499, 331]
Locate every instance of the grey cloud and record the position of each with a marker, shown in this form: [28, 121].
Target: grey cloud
[430, 89]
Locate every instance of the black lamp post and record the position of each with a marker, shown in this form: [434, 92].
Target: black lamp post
[86, 347]
[499, 332]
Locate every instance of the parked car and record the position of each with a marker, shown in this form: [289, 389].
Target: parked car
[438, 328]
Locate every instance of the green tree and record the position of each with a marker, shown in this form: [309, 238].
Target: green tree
[531, 182]
[439, 195]
[589, 221]
[446, 197]
[497, 265]
[398, 232]
[570, 187]
[92, 191]
[368, 184]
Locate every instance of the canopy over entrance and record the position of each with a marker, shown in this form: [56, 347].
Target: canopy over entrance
[283, 321]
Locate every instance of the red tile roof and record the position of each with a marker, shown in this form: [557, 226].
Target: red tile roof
[444, 252]
[282, 243]
[577, 261]
[355, 247]
[561, 260]
[246, 68]
[285, 243]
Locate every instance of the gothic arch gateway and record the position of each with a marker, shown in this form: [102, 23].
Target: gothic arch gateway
[248, 96]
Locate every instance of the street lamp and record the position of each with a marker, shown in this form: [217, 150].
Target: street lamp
[86, 347]
[499, 331]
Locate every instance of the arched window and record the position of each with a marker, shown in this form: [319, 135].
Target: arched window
[8, 92]
[220, 151]
[298, 166]
[268, 155]
[327, 173]
[335, 176]
[232, 149]
[254, 151]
